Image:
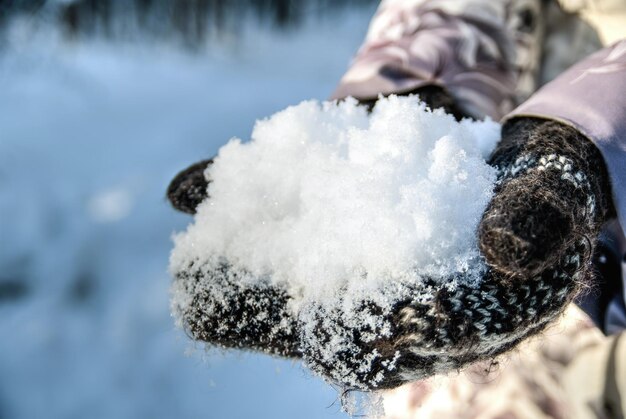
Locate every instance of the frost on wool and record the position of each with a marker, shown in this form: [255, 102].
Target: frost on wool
[334, 206]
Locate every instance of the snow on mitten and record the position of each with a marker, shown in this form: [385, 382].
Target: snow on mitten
[537, 236]
[225, 312]
[216, 306]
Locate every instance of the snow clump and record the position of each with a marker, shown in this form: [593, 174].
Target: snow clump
[331, 202]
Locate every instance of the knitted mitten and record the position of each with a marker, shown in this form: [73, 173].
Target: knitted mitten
[216, 307]
[537, 236]
[224, 311]
[189, 188]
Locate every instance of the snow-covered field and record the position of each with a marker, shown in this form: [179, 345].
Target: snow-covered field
[91, 132]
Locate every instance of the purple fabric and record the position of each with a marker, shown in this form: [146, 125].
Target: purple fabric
[591, 96]
[462, 45]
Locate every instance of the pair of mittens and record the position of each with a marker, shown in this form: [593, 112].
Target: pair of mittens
[536, 235]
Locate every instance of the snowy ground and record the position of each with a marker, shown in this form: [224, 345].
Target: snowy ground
[90, 134]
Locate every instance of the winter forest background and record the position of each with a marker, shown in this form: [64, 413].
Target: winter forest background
[101, 103]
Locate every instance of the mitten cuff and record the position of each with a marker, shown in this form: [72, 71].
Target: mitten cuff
[590, 97]
[464, 46]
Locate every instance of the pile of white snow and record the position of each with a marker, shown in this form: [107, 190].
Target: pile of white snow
[330, 201]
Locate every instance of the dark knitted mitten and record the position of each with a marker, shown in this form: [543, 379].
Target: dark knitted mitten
[215, 306]
[189, 188]
[537, 236]
[223, 311]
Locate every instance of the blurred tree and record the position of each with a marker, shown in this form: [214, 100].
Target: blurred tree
[190, 20]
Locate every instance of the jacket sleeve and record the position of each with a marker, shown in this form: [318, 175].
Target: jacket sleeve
[591, 97]
[464, 46]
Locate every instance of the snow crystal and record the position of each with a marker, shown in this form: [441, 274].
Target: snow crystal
[330, 201]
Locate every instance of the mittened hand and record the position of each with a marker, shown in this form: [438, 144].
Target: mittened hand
[189, 188]
[219, 308]
[226, 312]
[536, 235]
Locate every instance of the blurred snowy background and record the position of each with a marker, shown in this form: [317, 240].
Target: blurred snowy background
[101, 103]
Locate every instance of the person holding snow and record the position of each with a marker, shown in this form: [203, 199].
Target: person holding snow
[553, 227]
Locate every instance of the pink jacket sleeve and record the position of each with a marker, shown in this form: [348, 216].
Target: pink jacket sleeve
[591, 96]
[463, 45]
